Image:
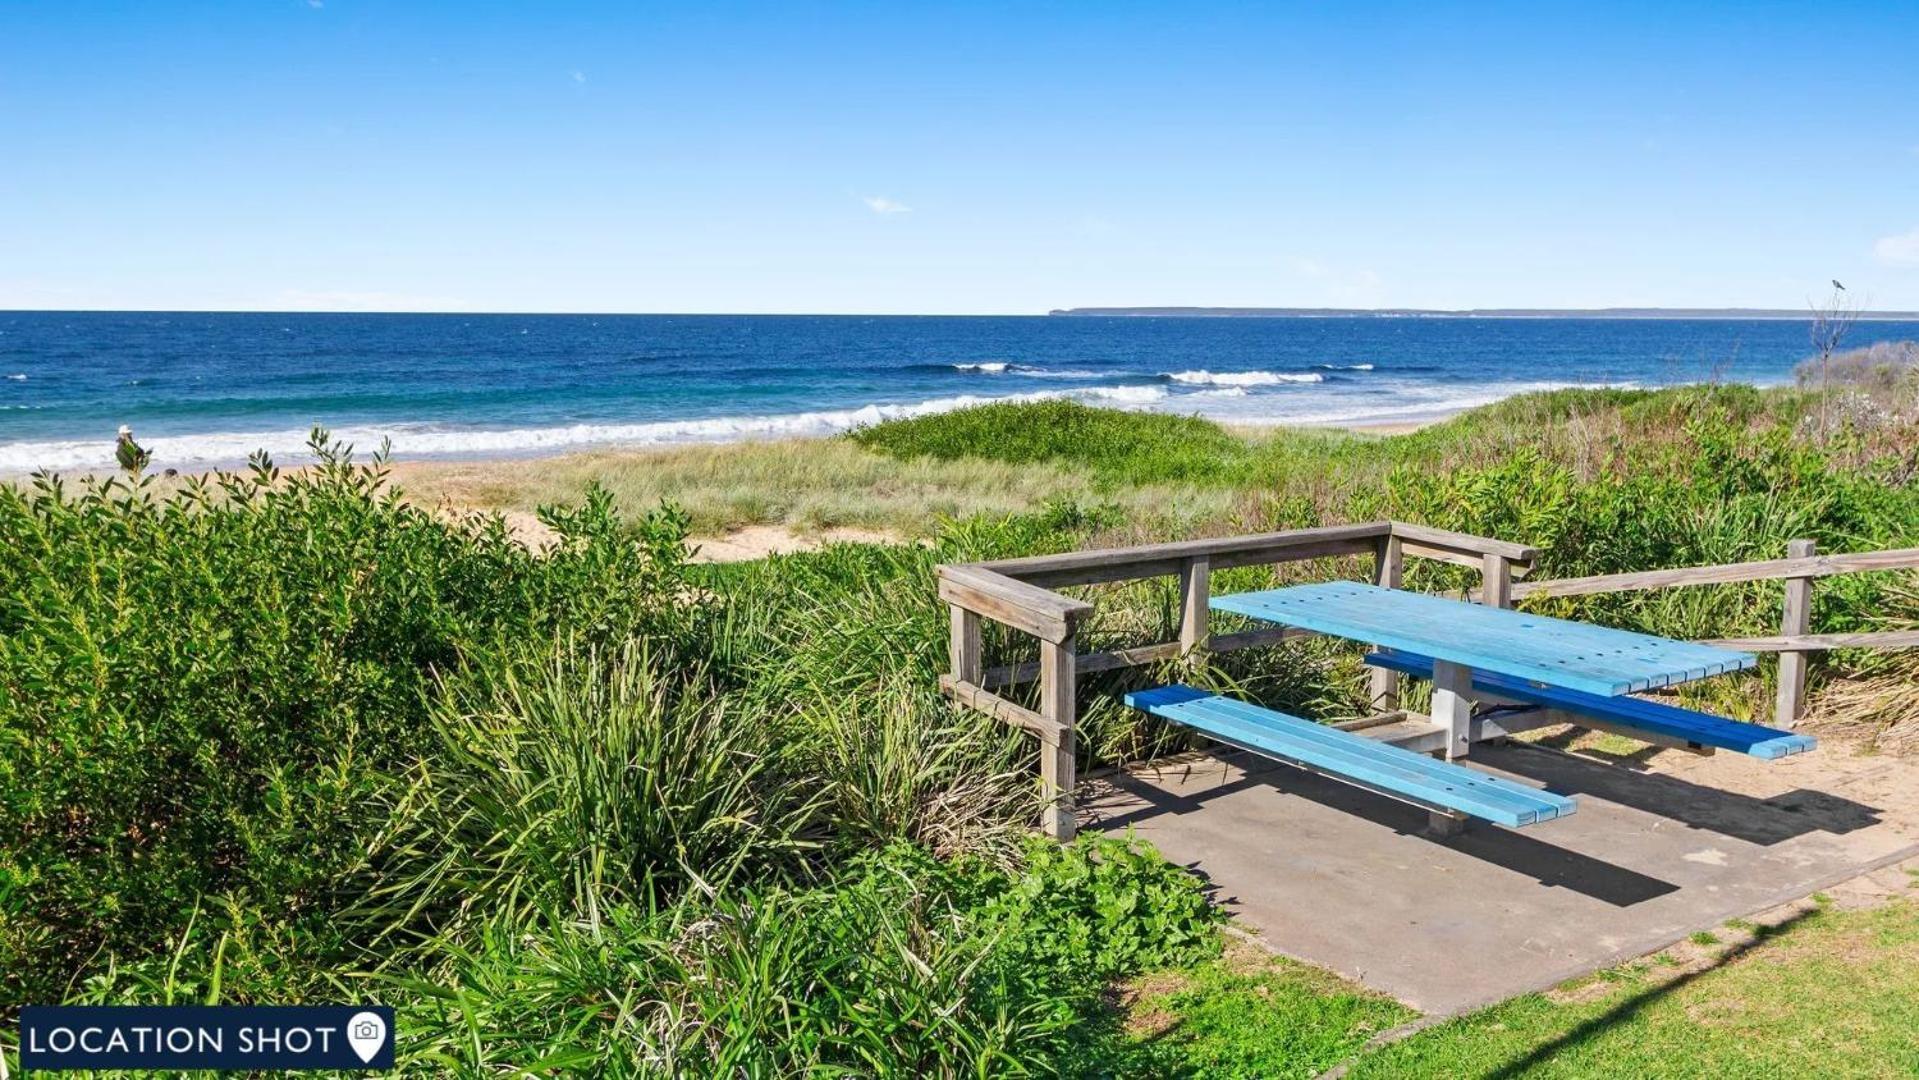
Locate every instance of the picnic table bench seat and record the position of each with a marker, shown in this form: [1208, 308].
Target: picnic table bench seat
[1629, 714]
[1352, 758]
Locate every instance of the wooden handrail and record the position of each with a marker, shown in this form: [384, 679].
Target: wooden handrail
[1725, 573]
[1461, 548]
[1158, 560]
[1880, 639]
[1040, 612]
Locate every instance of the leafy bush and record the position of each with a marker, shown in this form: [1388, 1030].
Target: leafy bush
[199, 689]
[901, 964]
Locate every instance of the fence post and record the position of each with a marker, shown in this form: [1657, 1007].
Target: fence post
[1496, 581]
[1195, 588]
[1388, 567]
[964, 648]
[1798, 620]
[1057, 671]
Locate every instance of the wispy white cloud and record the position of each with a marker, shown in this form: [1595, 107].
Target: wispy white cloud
[316, 3]
[884, 206]
[1900, 250]
[579, 76]
[1094, 225]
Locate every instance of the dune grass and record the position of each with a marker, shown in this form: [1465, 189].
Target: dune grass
[809, 485]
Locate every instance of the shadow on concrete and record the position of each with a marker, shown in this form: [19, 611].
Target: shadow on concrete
[1545, 863]
[1757, 821]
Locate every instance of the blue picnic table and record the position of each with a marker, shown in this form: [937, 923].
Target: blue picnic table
[1537, 648]
[1472, 653]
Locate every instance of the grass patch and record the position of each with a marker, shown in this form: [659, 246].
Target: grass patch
[1128, 448]
[1836, 994]
[1248, 1014]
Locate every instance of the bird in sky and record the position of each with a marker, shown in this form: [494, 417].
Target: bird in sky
[131, 455]
[1836, 285]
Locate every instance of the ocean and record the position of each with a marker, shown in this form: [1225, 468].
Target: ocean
[204, 390]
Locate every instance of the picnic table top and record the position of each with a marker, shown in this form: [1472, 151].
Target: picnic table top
[1538, 648]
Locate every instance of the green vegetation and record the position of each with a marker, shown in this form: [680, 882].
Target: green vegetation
[1246, 1014]
[1134, 449]
[289, 736]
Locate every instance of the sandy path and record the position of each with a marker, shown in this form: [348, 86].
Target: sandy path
[740, 545]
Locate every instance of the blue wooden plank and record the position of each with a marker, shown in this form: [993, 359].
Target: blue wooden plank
[1653, 717]
[1374, 765]
[1538, 648]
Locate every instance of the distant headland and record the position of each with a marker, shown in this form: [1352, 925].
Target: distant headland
[1472, 313]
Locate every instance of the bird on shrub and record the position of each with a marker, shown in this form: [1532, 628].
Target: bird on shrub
[131, 455]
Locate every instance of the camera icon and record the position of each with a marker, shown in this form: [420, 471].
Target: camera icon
[366, 1034]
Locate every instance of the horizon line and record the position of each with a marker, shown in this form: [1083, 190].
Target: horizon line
[1100, 311]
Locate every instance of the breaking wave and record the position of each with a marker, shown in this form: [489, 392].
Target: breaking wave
[1244, 378]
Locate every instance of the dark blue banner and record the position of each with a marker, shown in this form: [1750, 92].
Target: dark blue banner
[206, 1037]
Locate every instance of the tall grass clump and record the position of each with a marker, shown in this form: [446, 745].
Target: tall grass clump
[577, 779]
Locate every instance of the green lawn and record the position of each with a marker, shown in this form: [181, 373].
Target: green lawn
[1827, 993]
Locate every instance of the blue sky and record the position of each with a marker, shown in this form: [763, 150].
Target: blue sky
[794, 157]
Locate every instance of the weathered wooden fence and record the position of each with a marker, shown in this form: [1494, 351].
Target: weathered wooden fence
[1018, 593]
[1794, 641]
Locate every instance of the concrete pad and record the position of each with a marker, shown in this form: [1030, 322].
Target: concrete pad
[1663, 844]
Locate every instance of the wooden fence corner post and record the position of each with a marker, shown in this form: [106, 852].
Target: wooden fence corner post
[964, 648]
[1496, 582]
[1389, 562]
[1791, 705]
[1195, 590]
[1057, 672]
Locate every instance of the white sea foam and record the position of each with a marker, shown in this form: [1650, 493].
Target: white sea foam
[1244, 378]
[18, 376]
[1221, 392]
[1347, 367]
[1048, 373]
[1003, 367]
[213, 449]
[1417, 409]
[1131, 395]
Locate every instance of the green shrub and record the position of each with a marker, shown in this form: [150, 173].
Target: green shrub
[200, 689]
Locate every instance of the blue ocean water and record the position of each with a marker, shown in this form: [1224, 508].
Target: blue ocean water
[207, 389]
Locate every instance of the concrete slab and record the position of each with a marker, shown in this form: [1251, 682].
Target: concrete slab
[1663, 844]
